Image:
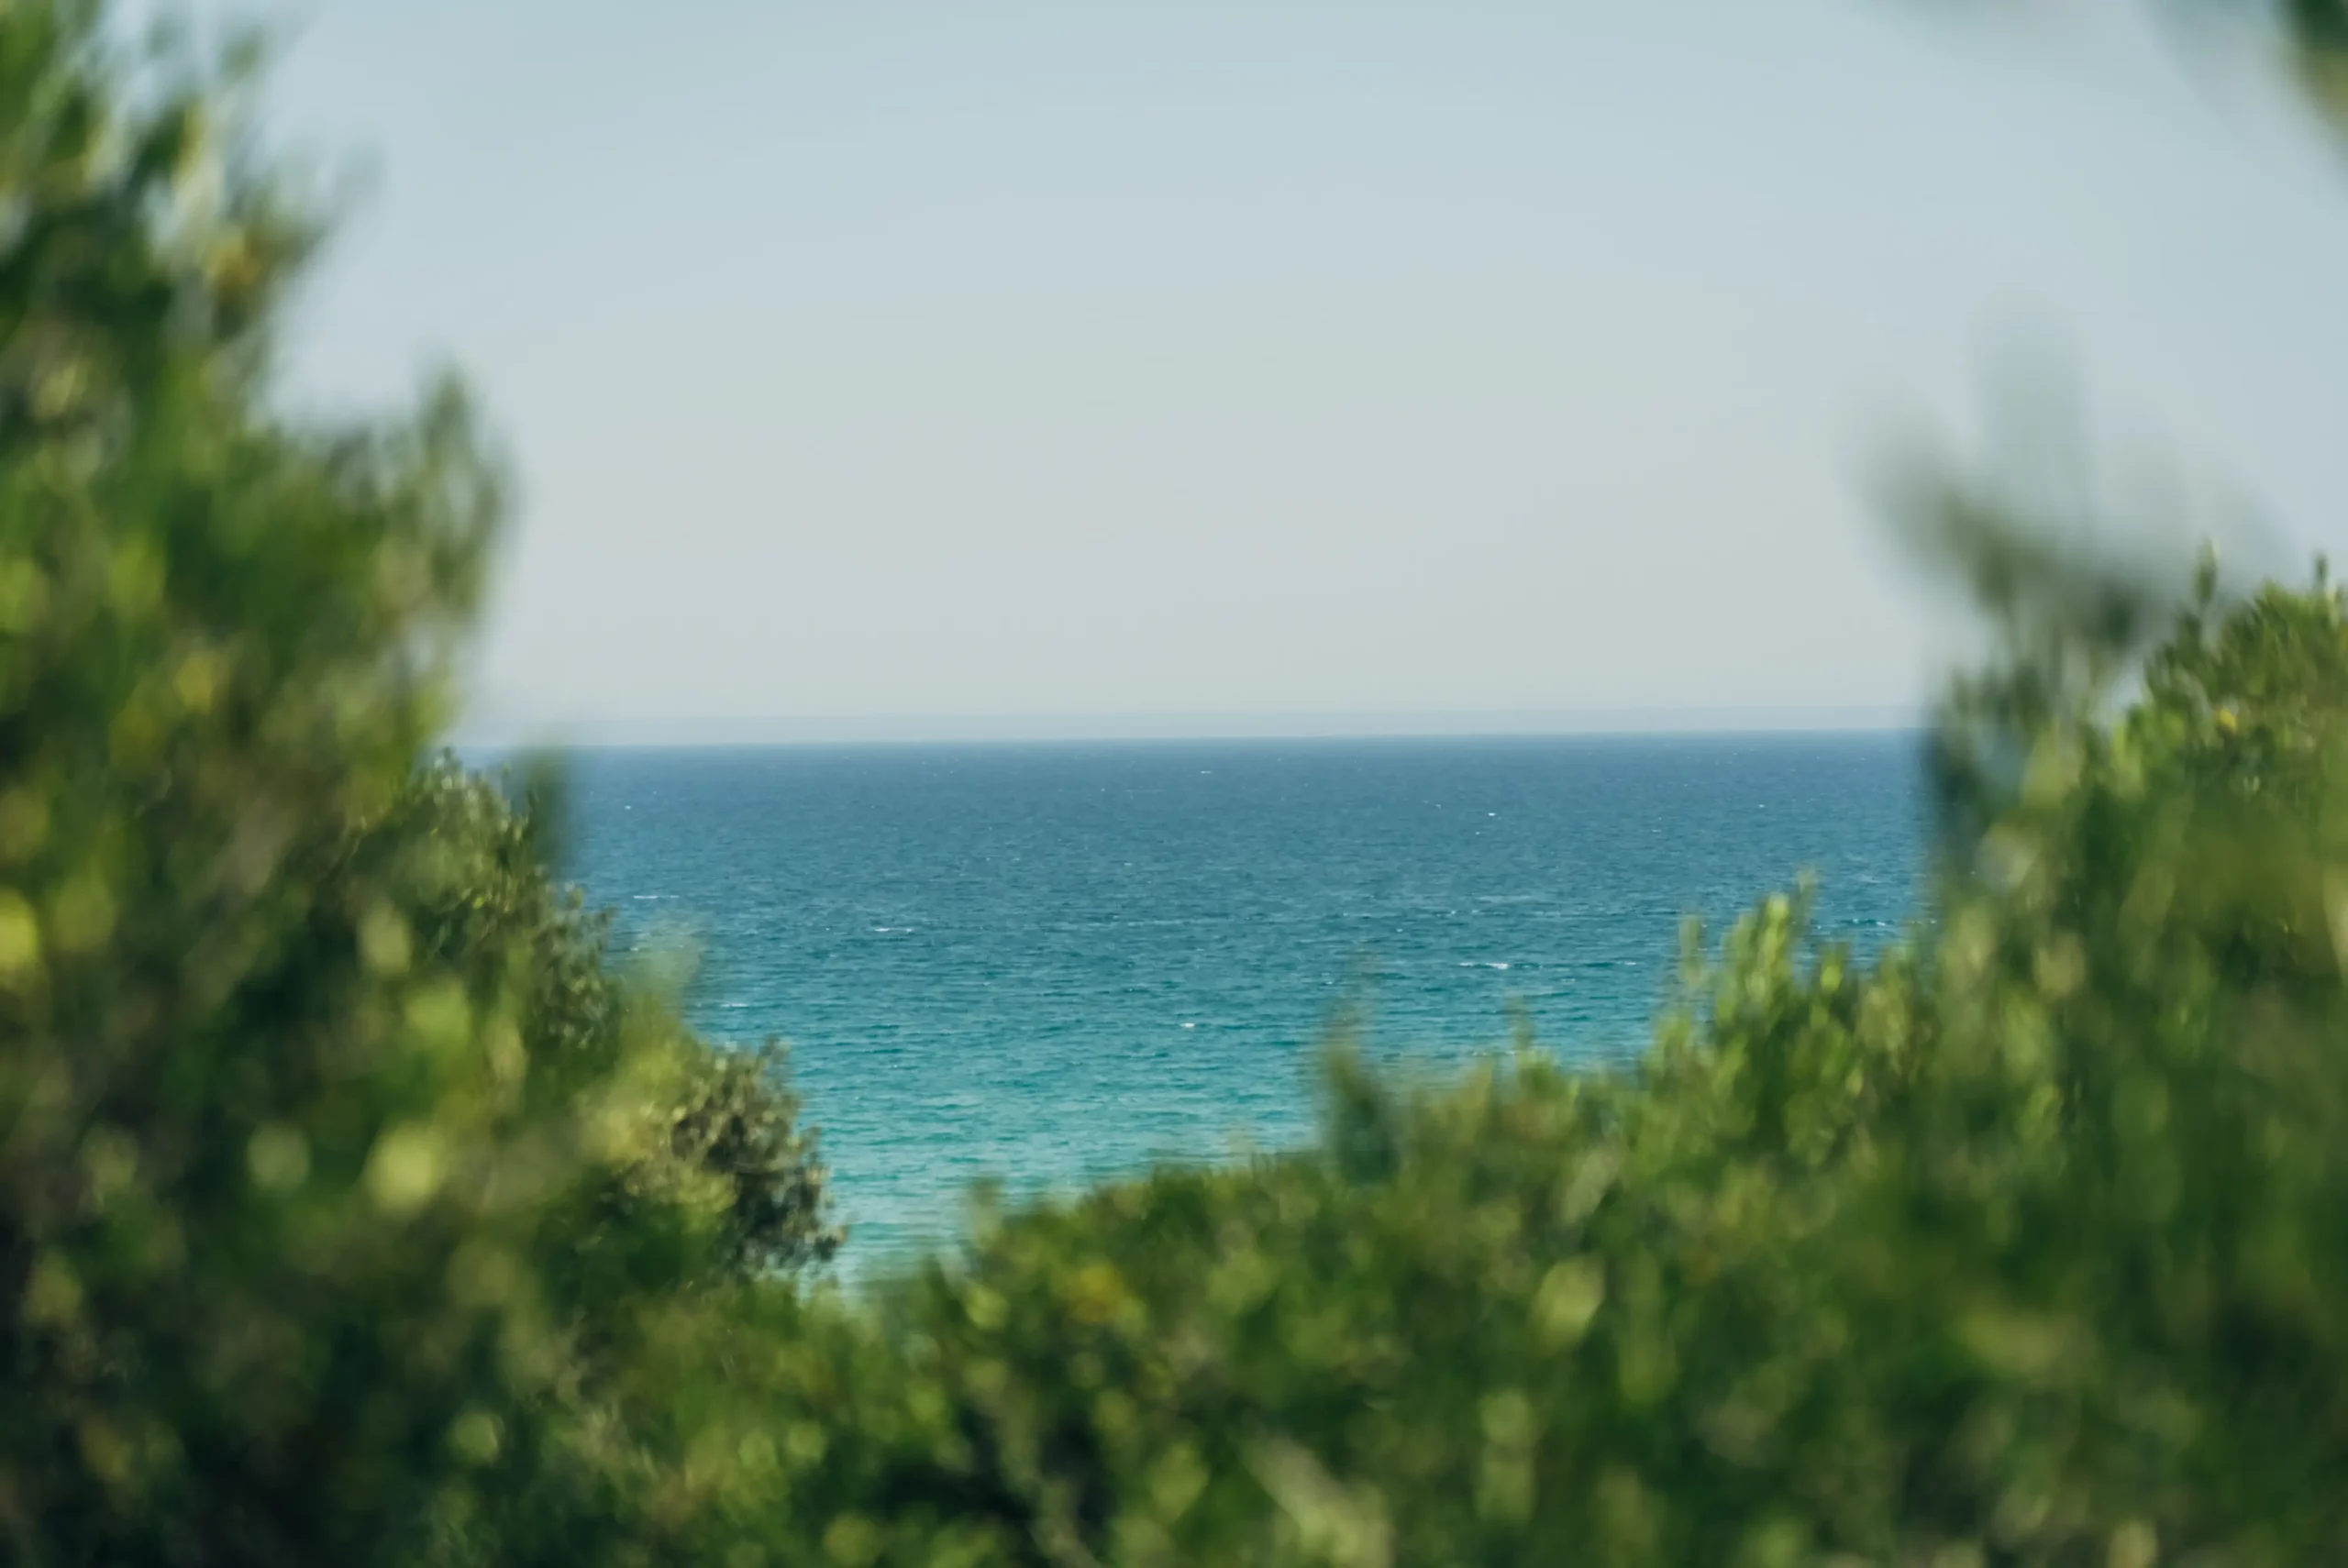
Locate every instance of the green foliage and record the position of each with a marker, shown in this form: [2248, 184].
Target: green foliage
[337, 1169]
[2318, 33]
[2023, 1244]
[354, 1209]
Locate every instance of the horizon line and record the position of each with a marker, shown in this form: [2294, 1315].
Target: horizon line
[1296, 725]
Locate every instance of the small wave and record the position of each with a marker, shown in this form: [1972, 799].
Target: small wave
[732, 1006]
[647, 898]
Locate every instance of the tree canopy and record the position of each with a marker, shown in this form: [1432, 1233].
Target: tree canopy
[334, 1153]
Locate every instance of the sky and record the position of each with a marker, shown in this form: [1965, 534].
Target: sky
[924, 370]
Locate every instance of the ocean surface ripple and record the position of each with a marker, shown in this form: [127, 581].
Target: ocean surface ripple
[1048, 963]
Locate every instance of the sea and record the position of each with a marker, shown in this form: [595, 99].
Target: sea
[1041, 965]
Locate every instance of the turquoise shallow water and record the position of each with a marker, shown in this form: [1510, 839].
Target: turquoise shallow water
[1053, 963]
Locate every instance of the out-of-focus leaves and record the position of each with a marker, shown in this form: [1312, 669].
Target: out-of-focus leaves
[339, 1177]
[2019, 1244]
[2319, 32]
[352, 1210]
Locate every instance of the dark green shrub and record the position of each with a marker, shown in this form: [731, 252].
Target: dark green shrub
[335, 1167]
[2021, 1245]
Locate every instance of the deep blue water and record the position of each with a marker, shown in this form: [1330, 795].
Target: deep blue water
[1052, 963]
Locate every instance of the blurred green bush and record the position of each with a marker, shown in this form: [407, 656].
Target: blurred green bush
[2024, 1244]
[337, 1170]
[354, 1209]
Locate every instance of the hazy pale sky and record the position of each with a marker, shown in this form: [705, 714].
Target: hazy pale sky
[914, 368]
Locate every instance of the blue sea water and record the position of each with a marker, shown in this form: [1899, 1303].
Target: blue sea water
[1049, 963]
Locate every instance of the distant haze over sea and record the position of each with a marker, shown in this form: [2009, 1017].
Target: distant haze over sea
[491, 732]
